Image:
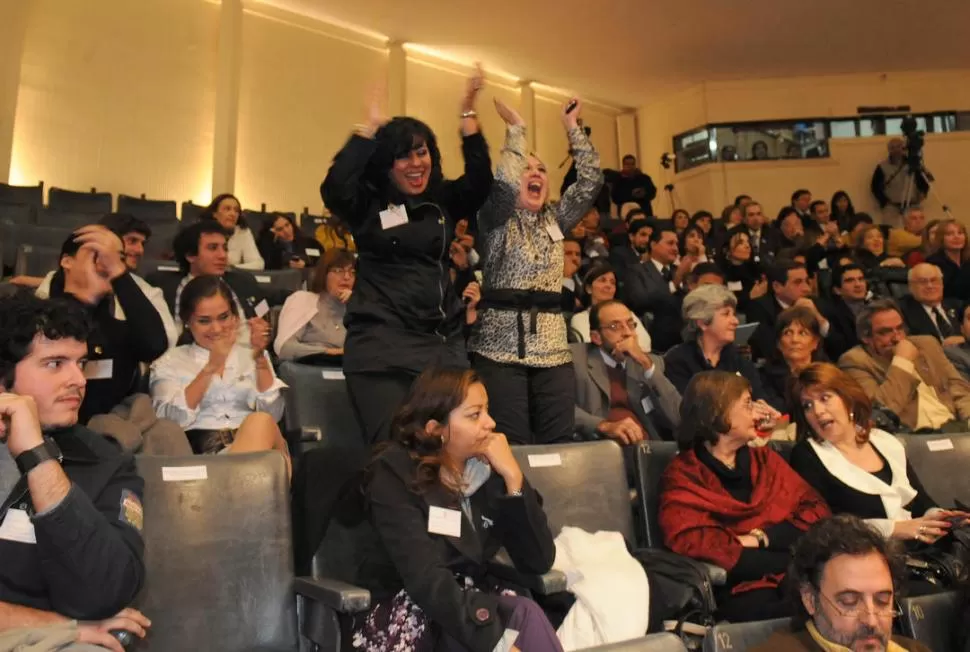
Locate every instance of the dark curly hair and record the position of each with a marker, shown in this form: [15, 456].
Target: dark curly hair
[397, 139]
[187, 240]
[433, 396]
[24, 316]
[843, 534]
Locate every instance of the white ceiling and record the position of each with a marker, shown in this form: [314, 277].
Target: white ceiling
[627, 51]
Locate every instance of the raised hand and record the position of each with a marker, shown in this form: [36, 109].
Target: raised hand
[374, 108]
[571, 118]
[508, 114]
[473, 87]
[258, 335]
[109, 250]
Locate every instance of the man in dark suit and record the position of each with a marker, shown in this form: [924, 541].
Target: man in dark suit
[789, 287]
[655, 287]
[765, 240]
[621, 391]
[202, 249]
[801, 201]
[849, 292]
[926, 312]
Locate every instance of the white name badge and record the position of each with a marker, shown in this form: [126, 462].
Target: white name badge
[647, 405]
[444, 521]
[98, 369]
[543, 460]
[940, 445]
[393, 216]
[262, 278]
[734, 286]
[261, 308]
[17, 527]
[554, 232]
[312, 252]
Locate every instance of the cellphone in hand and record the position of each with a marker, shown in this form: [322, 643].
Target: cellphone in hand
[572, 106]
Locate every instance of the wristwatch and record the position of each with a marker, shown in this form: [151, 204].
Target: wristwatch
[31, 458]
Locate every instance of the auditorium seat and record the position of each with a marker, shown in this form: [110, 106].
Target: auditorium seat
[931, 619]
[654, 643]
[27, 195]
[318, 410]
[14, 235]
[941, 463]
[279, 281]
[151, 211]
[219, 560]
[64, 219]
[154, 267]
[163, 235]
[310, 223]
[34, 260]
[75, 201]
[734, 637]
[190, 213]
[17, 213]
[783, 448]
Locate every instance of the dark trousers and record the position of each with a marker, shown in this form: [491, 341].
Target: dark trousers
[375, 398]
[530, 405]
[756, 604]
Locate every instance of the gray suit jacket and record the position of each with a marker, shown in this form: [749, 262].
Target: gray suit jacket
[593, 391]
[959, 355]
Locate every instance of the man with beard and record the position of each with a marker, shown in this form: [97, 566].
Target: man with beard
[842, 575]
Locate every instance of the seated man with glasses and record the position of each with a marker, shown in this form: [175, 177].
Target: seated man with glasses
[926, 311]
[842, 575]
[621, 391]
[909, 374]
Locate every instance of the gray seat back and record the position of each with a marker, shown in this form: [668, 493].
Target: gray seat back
[931, 619]
[34, 260]
[316, 399]
[65, 219]
[26, 195]
[14, 235]
[665, 642]
[734, 637]
[652, 459]
[17, 213]
[152, 211]
[218, 553]
[163, 237]
[280, 280]
[98, 203]
[582, 485]
[190, 213]
[941, 463]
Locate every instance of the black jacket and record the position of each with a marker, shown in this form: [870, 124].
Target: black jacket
[88, 562]
[920, 323]
[686, 360]
[278, 255]
[842, 329]
[139, 338]
[242, 283]
[956, 278]
[405, 312]
[425, 565]
[747, 274]
[765, 311]
[768, 244]
[624, 187]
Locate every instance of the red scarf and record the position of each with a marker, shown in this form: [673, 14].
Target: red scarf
[700, 519]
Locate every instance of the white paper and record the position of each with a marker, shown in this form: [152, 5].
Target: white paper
[940, 445]
[734, 286]
[17, 527]
[554, 232]
[647, 405]
[184, 473]
[312, 252]
[444, 521]
[548, 459]
[261, 308]
[168, 268]
[262, 278]
[393, 216]
[333, 374]
[99, 369]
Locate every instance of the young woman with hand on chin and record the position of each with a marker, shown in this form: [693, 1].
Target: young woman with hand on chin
[225, 396]
[406, 313]
[520, 344]
[443, 497]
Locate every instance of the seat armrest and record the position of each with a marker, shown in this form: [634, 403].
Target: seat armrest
[552, 581]
[341, 597]
[716, 574]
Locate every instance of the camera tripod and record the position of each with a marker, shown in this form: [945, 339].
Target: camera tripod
[911, 176]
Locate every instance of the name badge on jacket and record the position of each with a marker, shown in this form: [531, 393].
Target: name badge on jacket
[444, 521]
[17, 527]
[393, 216]
[554, 232]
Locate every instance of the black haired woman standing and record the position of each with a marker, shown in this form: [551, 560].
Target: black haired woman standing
[405, 314]
[520, 345]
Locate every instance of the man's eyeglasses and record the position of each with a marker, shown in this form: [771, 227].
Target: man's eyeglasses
[860, 609]
[615, 326]
[928, 281]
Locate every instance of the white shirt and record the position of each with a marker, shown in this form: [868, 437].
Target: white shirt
[660, 268]
[152, 293]
[229, 399]
[934, 316]
[243, 252]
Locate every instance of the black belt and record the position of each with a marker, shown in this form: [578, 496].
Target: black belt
[522, 301]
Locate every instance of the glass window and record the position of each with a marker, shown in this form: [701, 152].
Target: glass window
[843, 128]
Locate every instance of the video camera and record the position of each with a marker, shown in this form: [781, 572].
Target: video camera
[914, 144]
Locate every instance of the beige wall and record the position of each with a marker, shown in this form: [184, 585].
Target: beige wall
[139, 97]
[849, 168]
[117, 95]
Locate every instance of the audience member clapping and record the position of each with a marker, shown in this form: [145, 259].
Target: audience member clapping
[283, 246]
[225, 396]
[227, 212]
[952, 256]
[743, 275]
[730, 504]
[311, 324]
[870, 250]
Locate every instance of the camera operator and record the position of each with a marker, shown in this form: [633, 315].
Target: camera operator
[898, 181]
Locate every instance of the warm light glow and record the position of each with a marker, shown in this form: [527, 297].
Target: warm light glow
[452, 58]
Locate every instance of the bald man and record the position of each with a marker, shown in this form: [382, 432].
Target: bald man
[891, 187]
[926, 312]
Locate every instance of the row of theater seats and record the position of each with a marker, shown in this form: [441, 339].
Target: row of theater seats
[207, 520]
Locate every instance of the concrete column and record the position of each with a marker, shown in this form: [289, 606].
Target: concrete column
[227, 97]
[13, 30]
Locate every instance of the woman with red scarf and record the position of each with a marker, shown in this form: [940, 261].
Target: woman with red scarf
[738, 507]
